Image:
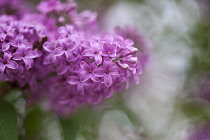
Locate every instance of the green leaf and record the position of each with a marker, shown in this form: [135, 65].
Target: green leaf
[40, 125]
[195, 110]
[8, 122]
[83, 122]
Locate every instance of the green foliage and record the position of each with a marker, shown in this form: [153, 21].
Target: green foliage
[42, 125]
[84, 122]
[8, 122]
[201, 48]
[196, 110]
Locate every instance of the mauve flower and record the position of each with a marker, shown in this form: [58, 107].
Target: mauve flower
[6, 62]
[73, 80]
[15, 74]
[63, 66]
[6, 43]
[107, 92]
[66, 48]
[109, 50]
[19, 40]
[26, 55]
[95, 51]
[66, 30]
[107, 71]
[87, 71]
[6, 31]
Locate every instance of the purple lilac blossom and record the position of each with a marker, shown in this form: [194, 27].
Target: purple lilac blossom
[101, 65]
[52, 53]
[16, 49]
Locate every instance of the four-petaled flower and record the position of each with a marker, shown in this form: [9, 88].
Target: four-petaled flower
[27, 56]
[66, 48]
[109, 50]
[95, 51]
[87, 72]
[6, 62]
[107, 71]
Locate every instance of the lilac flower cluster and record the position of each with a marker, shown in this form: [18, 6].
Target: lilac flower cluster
[17, 53]
[52, 53]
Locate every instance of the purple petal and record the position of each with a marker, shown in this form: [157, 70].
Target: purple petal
[2, 36]
[73, 80]
[2, 68]
[127, 81]
[62, 42]
[80, 88]
[96, 45]
[95, 86]
[69, 56]
[84, 66]
[19, 37]
[129, 42]
[94, 78]
[28, 62]
[117, 87]
[108, 63]
[107, 93]
[51, 58]
[17, 56]
[58, 51]
[98, 59]
[62, 70]
[48, 47]
[5, 46]
[66, 29]
[108, 38]
[88, 52]
[12, 65]
[99, 72]
[93, 66]
[69, 29]
[1, 60]
[71, 45]
[22, 48]
[62, 30]
[136, 78]
[85, 77]
[95, 98]
[31, 54]
[114, 71]
[7, 56]
[108, 80]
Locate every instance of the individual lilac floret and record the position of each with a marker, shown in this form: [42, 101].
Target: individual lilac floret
[27, 56]
[87, 72]
[95, 51]
[107, 71]
[65, 47]
[109, 50]
[6, 62]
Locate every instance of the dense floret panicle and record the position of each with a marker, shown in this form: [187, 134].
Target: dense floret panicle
[63, 55]
[94, 67]
[18, 48]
